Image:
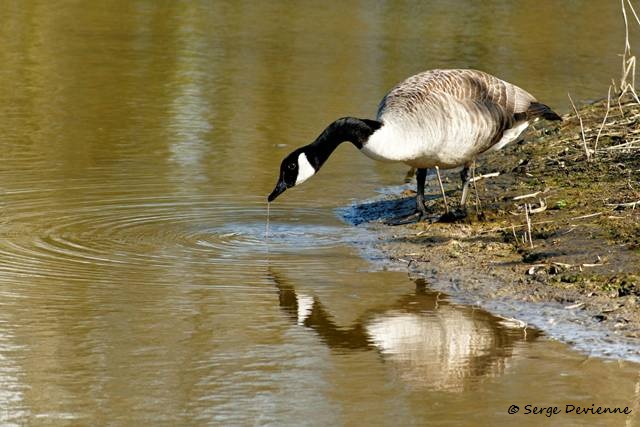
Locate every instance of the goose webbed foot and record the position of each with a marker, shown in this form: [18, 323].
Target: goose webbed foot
[418, 216]
[421, 212]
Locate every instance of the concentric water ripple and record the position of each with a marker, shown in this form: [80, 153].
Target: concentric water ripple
[94, 236]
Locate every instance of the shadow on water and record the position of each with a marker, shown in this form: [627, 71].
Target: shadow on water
[376, 210]
[429, 341]
[381, 210]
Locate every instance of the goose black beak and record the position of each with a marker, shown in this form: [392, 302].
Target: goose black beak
[280, 187]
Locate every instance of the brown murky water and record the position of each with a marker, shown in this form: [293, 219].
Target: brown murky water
[139, 140]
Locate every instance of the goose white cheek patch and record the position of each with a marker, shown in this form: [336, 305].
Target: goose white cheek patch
[305, 170]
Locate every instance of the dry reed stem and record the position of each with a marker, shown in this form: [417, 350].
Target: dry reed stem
[487, 175]
[444, 196]
[475, 188]
[633, 11]
[526, 196]
[621, 205]
[626, 146]
[595, 146]
[615, 90]
[526, 213]
[628, 60]
[541, 208]
[584, 140]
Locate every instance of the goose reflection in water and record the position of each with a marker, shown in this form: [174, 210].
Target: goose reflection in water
[430, 342]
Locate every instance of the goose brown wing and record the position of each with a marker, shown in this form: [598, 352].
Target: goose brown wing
[470, 86]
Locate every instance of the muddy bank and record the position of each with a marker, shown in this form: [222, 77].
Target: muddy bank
[554, 239]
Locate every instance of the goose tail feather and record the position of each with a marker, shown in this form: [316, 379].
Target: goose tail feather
[537, 109]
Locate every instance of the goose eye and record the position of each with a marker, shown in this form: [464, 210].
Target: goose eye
[291, 166]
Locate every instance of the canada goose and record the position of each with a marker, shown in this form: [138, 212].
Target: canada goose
[436, 119]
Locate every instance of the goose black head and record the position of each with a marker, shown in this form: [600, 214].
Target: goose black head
[304, 162]
[295, 169]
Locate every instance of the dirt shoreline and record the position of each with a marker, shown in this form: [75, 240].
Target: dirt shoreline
[553, 240]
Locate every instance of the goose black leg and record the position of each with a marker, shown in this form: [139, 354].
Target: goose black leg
[421, 177]
[421, 211]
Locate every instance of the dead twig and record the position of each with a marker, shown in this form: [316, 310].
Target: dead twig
[541, 208]
[480, 177]
[628, 60]
[526, 214]
[475, 187]
[626, 145]
[526, 196]
[586, 216]
[595, 146]
[624, 205]
[444, 196]
[584, 139]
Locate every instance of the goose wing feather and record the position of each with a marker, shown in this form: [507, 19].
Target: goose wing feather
[470, 86]
[490, 104]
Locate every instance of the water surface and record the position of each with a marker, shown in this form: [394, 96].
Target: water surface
[139, 140]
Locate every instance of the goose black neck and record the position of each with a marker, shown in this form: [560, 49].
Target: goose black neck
[351, 129]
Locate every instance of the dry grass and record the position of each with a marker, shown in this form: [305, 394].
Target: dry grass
[621, 128]
[606, 114]
[628, 78]
[584, 139]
